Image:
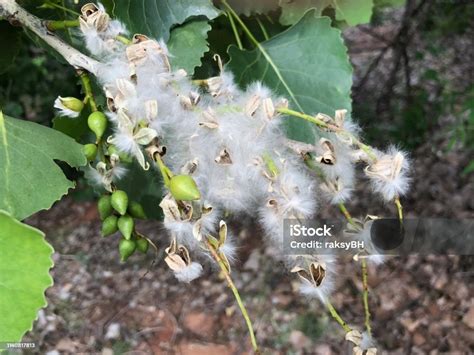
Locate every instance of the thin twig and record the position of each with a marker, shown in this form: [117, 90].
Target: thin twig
[86, 85]
[55, 25]
[16, 14]
[234, 29]
[365, 295]
[346, 214]
[263, 29]
[399, 208]
[320, 123]
[337, 317]
[235, 291]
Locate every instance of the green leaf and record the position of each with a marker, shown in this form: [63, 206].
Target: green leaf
[30, 180]
[72, 127]
[156, 18]
[187, 45]
[354, 12]
[468, 169]
[25, 260]
[11, 43]
[386, 3]
[308, 64]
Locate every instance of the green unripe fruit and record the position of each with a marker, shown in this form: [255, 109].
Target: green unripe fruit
[71, 103]
[125, 226]
[97, 122]
[142, 245]
[126, 248]
[90, 151]
[136, 210]
[104, 207]
[183, 187]
[119, 201]
[109, 225]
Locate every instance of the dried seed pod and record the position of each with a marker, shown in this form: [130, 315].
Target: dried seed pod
[214, 85]
[387, 168]
[328, 156]
[269, 108]
[209, 119]
[142, 47]
[354, 336]
[151, 109]
[93, 17]
[190, 167]
[177, 256]
[315, 274]
[186, 102]
[170, 208]
[223, 158]
[252, 105]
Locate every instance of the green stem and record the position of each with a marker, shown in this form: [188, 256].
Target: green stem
[264, 30]
[123, 39]
[346, 214]
[86, 84]
[61, 25]
[320, 123]
[234, 29]
[164, 170]
[231, 11]
[399, 208]
[231, 284]
[72, 12]
[365, 296]
[337, 317]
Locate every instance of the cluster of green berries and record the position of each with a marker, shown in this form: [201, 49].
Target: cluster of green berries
[117, 214]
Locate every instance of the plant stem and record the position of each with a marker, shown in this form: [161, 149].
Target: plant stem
[231, 11]
[86, 84]
[231, 285]
[123, 39]
[61, 25]
[320, 123]
[346, 214]
[399, 208]
[234, 29]
[14, 12]
[337, 317]
[64, 8]
[264, 30]
[365, 296]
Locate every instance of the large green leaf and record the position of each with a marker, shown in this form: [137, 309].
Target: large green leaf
[308, 63]
[156, 18]
[25, 260]
[188, 44]
[30, 180]
[354, 12]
